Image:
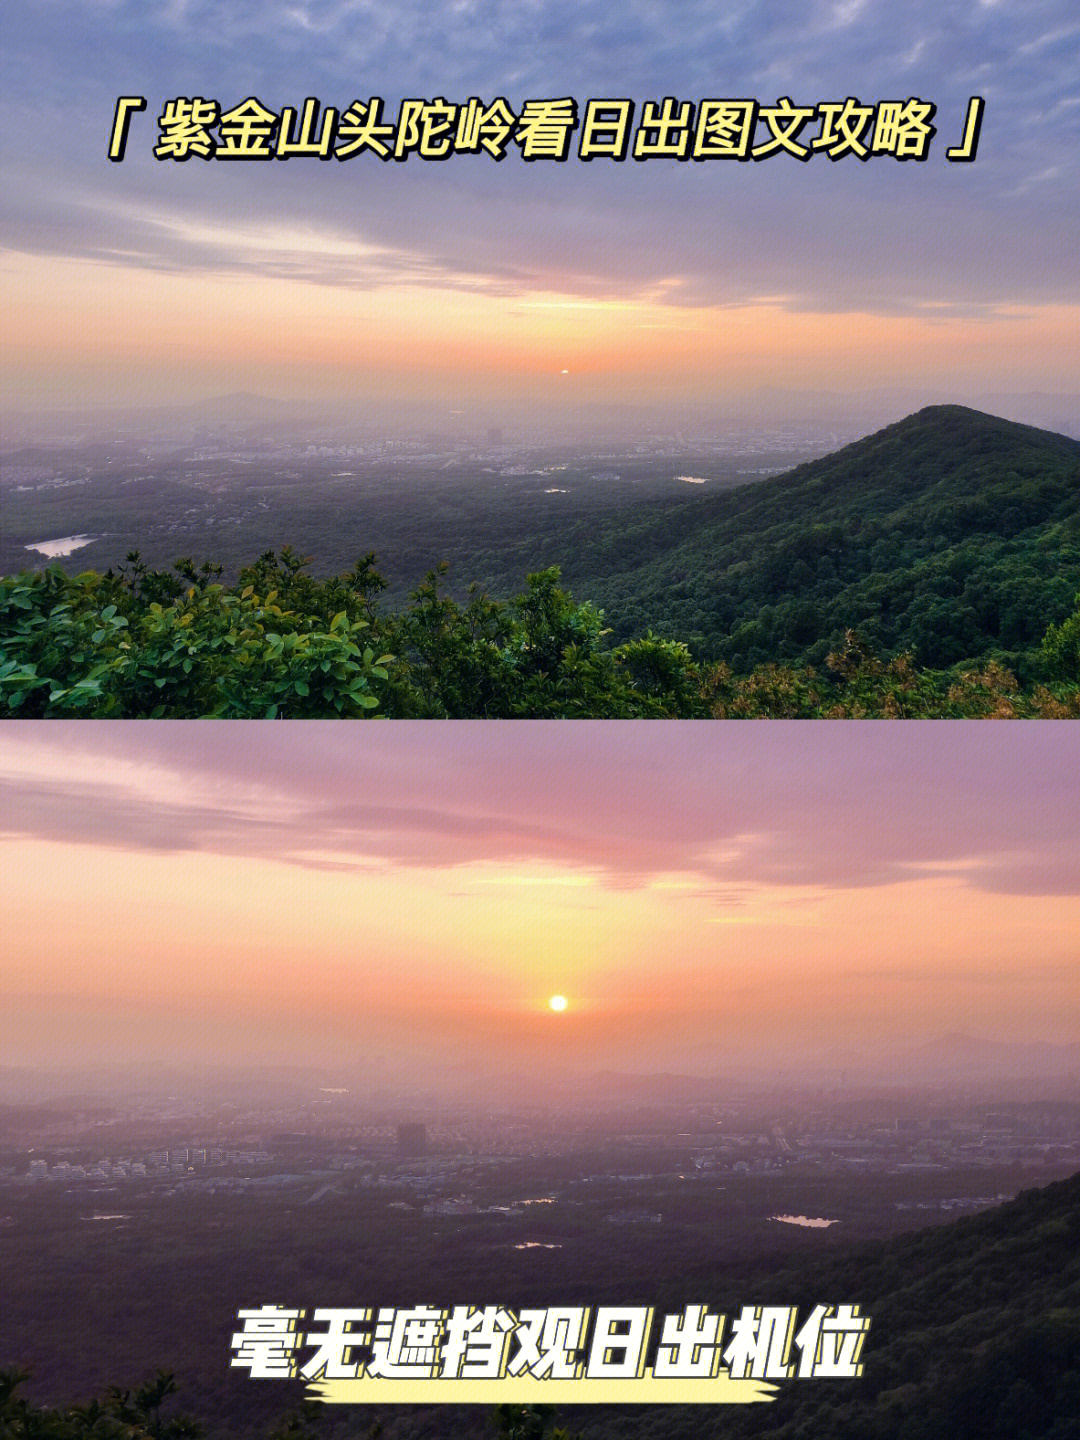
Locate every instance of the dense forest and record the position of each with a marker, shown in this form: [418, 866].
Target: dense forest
[929, 570]
[975, 1335]
[952, 534]
[280, 643]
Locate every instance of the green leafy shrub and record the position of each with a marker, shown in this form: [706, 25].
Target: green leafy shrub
[280, 643]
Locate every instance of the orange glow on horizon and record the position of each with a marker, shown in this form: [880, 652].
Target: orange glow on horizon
[105, 332]
[432, 957]
[207, 890]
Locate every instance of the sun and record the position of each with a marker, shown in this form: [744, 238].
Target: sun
[557, 1002]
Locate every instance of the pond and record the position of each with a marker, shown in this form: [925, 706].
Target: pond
[64, 546]
[806, 1221]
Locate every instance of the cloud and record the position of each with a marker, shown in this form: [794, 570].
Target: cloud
[882, 237]
[680, 806]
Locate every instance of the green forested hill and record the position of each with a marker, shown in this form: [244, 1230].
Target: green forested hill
[952, 533]
[914, 573]
[975, 1334]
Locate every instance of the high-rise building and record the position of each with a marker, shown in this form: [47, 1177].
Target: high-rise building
[412, 1138]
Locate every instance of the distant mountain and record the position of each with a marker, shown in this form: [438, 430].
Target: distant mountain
[952, 533]
[662, 1088]
[955, 1060]
[44, 428]
[1037, 407]
[964, 1057]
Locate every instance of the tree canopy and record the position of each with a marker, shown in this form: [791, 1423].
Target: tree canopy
[141, 643]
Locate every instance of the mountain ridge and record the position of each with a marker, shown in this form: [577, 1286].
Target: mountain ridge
[952, 533]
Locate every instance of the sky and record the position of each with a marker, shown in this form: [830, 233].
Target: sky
[408, 900]
[152, 282]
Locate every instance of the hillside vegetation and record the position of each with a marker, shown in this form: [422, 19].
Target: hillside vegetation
[975, 1333]
[280, 643]
[928, 570]
[952, 534]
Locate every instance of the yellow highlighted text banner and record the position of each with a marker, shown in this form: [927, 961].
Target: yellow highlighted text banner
[528, 1390]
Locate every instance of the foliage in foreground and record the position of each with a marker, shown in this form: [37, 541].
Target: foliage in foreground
[280, 643]
[119, 1415]
[136, 1415]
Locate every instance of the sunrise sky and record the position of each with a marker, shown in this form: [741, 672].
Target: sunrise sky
[413, 895]
[151, 281]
